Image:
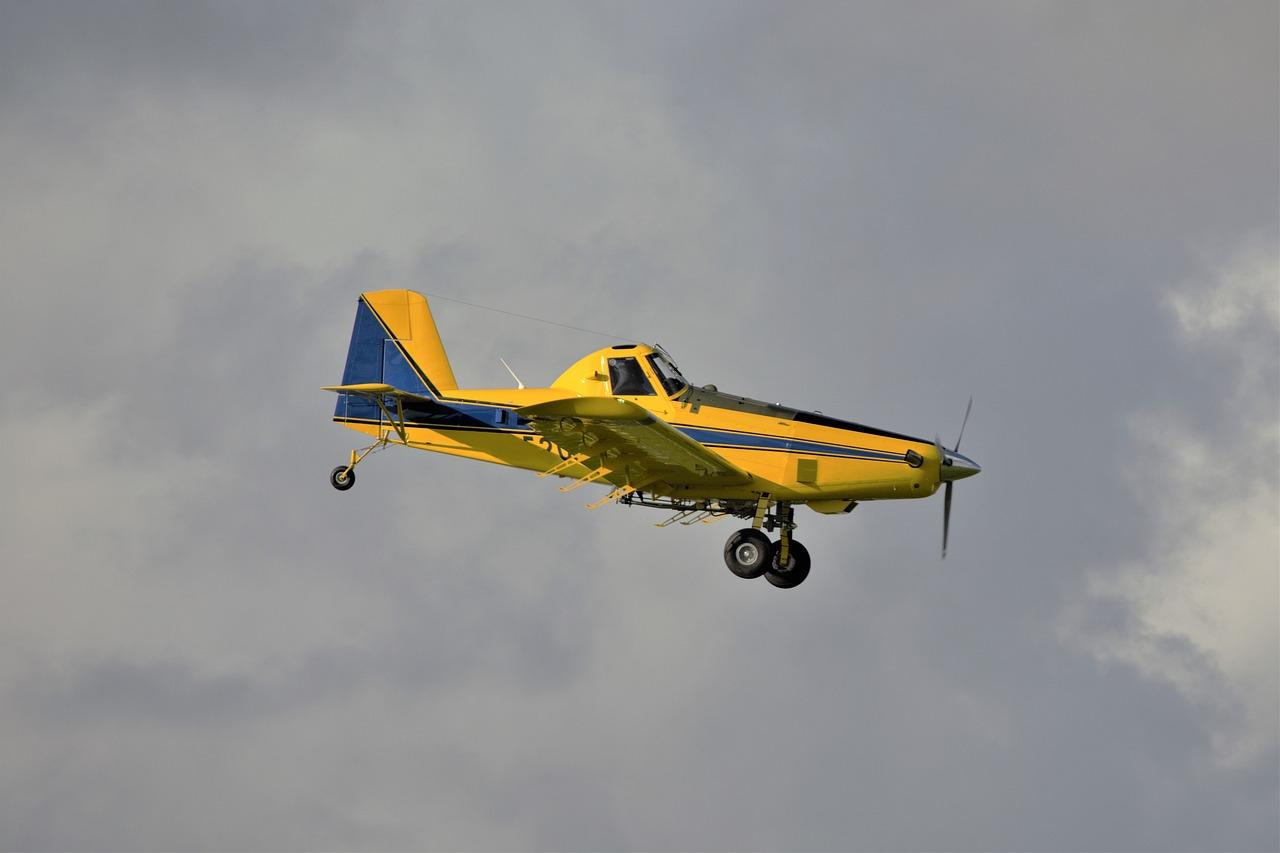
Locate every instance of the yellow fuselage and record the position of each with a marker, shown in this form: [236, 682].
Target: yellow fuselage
[792, 455]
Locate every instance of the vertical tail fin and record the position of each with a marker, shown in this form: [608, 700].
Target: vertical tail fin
[408, 321]
[395, 341]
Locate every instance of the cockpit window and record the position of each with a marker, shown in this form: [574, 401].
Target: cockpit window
[672, 381]
[627, 377]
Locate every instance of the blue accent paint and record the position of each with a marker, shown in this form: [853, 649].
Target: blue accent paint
[763, 442]
[707, 436]
[371, 357]
[398, 373]
[364, 364]
[364, 355]
[856, 452]
[355, 406]
[439, 415]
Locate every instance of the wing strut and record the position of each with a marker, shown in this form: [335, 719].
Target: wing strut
[397, 420]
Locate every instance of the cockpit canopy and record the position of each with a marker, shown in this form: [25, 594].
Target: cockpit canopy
[626, 370]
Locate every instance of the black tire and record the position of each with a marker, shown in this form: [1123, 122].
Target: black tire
[797, 568]
[747, 553]
[342, 478]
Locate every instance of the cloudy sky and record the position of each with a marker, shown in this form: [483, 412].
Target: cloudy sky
[1067, 210]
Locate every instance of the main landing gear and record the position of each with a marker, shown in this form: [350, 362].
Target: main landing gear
[750, 554]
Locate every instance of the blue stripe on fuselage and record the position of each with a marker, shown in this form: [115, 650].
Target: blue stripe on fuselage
[769, 442]
[437, 415]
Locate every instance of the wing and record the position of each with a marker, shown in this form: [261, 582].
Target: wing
[628, 445]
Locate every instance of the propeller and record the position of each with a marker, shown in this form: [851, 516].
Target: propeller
[946, 517]
[944, 461]
[964, 423]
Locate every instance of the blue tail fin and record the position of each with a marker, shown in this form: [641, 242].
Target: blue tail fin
[374, 355]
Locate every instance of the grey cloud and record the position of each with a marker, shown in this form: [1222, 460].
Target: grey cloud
[874, 210]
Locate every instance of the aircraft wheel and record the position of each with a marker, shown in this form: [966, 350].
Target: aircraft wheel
[797, 568]
[343, 477]
[747, 553]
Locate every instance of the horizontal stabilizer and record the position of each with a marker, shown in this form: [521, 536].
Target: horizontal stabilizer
[378, 390]
[361, 388]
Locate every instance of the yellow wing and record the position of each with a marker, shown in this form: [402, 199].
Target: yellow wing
[633, 445]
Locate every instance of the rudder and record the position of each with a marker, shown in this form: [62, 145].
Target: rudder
[408, 319]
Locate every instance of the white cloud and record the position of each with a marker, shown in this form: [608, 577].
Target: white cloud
[1245, 295]
[1202, 600]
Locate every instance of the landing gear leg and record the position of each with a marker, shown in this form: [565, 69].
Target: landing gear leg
[344, 476]
[762, 512]
[788, 559]
[785, 514]
[791, 573]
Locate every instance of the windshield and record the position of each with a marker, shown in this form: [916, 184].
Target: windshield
[672, 381]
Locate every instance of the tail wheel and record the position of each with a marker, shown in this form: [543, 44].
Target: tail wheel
[343, 477]
[747, 553]
[796, 570]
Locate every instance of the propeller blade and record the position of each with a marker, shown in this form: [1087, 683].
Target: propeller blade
[946, 497]
[946, 517]
[967, 409]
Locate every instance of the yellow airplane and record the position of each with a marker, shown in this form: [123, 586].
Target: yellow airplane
[624, 416]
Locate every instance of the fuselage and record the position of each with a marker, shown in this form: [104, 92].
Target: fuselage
[791, 454]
